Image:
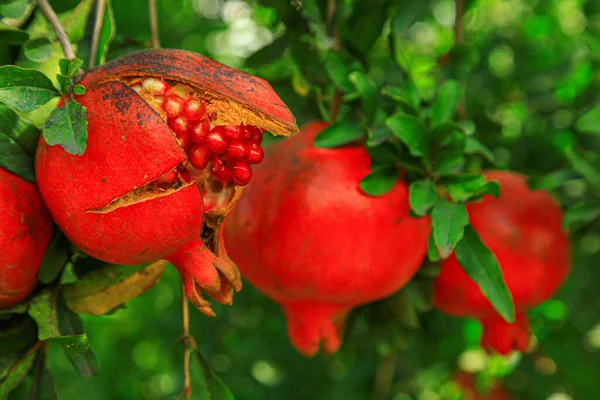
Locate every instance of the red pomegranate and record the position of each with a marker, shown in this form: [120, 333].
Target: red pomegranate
[171, 137]
[523, 228]
[25, 234]
[309, 238]
[470, 391]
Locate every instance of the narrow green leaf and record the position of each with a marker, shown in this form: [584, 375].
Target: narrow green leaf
[17, 372]
[17, 144]
[553, 180]
[339, 71]
[38, 49]
[205, 384]
[42, 387]
[368, 93]
[10, 35]
[13, 8]
[444, 105]
[380, 181]
[474, 146]
[581, 214]
[55, 258]
[339, 134]
[449, 163]
[401, 96]
[411, 131]
[25, 89]
[483, 268]
[107, 33]
[67, 126]
[590, 121]
[579, 162]
[69, 67]
[422, 196]
[448, 222]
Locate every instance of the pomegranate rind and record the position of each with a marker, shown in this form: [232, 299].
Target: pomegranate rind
[25, 235]
[236, 97]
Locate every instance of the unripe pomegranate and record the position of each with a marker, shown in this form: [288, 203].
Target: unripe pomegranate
[523, 228]
[150, 185]
[308, 237]
[25, 234]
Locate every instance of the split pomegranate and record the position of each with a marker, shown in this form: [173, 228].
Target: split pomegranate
[171, 137]
[309, 238]
[523, 228]
[25, 234]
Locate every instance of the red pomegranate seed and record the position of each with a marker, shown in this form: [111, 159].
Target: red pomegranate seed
[236, 150]
[216, 142]
[185, 174]
[194, 109]
[168, 177]
[199, 155]
[255, 134]
[254, 153]
[199, 131]
[180, 127]
[219, 170]
[155, 86]
[172, 106]
[242, 173]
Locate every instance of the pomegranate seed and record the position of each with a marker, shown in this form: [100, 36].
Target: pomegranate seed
[199, 156]
[200, 131]
[172, 106]
[183, 91]
[242, 173]
[254, 153]
[194, 109]
[168, 177]
[235, 133]
[155, 86]
[137, 87]
[159, 99]
[219, 170]
[185, 175]
[255, 134]
[216, 142]
[236, 150]
[180, 127]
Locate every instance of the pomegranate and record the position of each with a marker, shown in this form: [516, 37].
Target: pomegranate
[470, 391]
[25, 234]
[171, 137]
[309, 238]
[523, 228]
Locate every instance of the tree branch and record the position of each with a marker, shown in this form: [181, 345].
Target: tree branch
[100, 9]
[188, 343]
[61, 35]
[154, 24]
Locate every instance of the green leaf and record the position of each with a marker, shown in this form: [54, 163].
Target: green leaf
[20, 308]
[10, 35]
[25, 89]
[205, 384]
[380, 181]
[79, 89]
[43, 310]
[17, 372]
[432, 252]
[55, 258]
[483, 268]
[38, 49]
[422, 196]
[579, 162]
[448, 222]
[474, 146]
[408, 14]
[553, 180]
[590, 121]
[444, 105]
[269, 54]
[67, 126]
[384, 153]
[17, 144]
[339, 71]
[13, 8]
[69, 67]
[401, 96]
[379, 135]
[42, 387]
[468, 187]
[17, 334]
[368, 93]
[107, 34]
[449, 163]
[339, 134]
[411, 131]
[581, 214]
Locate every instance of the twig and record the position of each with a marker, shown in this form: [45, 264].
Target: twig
[384, 377]
[58, 29]
[458, 30]
[100, 9]
[336, 100]
[188, 343]
[154, 24]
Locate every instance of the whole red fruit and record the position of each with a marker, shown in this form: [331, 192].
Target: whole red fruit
[523, 228]
[115, 201]
[25, 234]
[308, 237]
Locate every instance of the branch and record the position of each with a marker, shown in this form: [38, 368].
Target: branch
[61, 35]
[458, 30]
[336, 100]
[100, 9]
[188, 343]
[154, 24]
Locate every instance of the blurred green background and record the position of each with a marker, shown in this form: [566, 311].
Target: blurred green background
[531, 68]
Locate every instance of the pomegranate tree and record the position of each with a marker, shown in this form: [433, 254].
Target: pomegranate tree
[25, 234]
[309, 238]
[523, 228]
[172, 136]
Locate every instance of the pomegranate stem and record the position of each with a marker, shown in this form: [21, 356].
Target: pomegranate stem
[154, 24]
[100, 8]
[61, 35]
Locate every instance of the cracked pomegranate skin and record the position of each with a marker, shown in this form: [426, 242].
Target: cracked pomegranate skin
[306, 236]
[25, 235]
[523, 228]
[105, 201]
